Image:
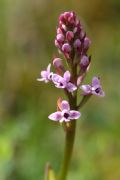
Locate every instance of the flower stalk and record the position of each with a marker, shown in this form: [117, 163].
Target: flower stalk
[69, 143]
[70, 133]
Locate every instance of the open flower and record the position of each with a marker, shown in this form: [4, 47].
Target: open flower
[65, 115]
[94, 88]
[64, 82]
[46, 75]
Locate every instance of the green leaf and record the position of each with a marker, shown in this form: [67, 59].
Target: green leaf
[49, 173]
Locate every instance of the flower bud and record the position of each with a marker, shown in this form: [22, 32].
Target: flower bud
[69, 35]
[59, 31]
[82, 34]
[84, 61]
[57, 44]
[66, 48]
[60, 38]
[87, 42]
[61, 17]
[67, 15]
[72, 18]
[57, 62]
[77, 43]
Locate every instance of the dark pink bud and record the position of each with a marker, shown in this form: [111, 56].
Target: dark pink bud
[77, 43]
[67, 15]
[71, 18]
[69, 35]
[66, 48]
[82, 34]
[60, 38]
[57, 62]
[84, 61]
[87, 42]
[59, 31]
[61, 17]
[57, 43]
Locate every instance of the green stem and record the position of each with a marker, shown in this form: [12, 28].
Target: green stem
[83, 101]
[70, 135]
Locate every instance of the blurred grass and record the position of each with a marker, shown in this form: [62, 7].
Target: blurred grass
[27, 138]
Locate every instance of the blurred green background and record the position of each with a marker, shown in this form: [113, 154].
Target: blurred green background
[27, 138]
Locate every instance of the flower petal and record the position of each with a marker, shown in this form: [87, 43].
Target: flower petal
[86, 89]
[71, 87]
[99, 92]
[95, 81]
[61, 83]
[102, 93]
[55, 78]
[65, 105]
[40, 79]
[43, 79]
[74, 114]
[48, 68]
[67, 76]
[44, 74]
[55, 116]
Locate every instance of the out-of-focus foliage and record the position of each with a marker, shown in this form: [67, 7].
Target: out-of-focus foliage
[27, 138]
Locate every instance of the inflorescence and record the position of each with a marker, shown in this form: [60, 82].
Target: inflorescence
[72, 42]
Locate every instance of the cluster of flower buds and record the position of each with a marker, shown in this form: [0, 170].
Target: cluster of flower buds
[73, 43]
[71, 38]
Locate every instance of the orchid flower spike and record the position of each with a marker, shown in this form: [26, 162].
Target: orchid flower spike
[65, 115]
[46, 75]
[94, 88]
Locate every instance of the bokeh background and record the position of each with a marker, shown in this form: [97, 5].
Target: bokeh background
[27, 138]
